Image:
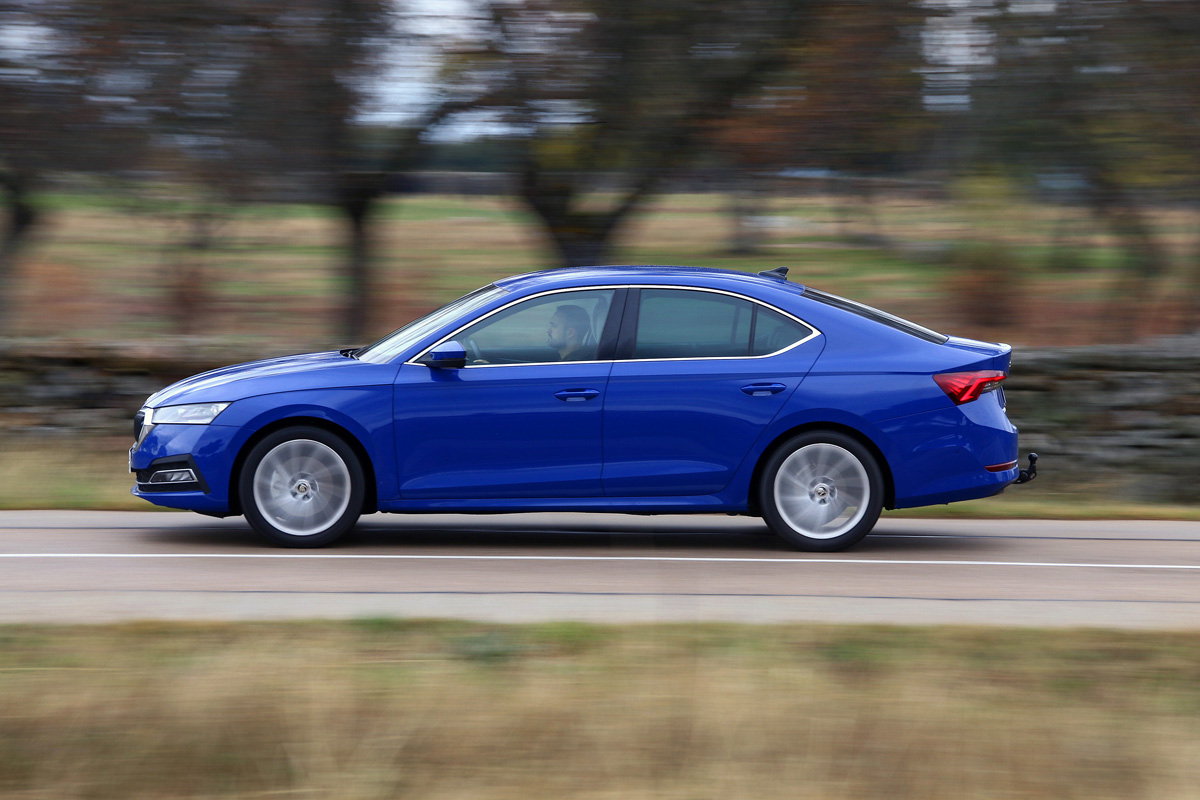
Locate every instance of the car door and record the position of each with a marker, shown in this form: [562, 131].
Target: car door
[520, 420]
[699, 374]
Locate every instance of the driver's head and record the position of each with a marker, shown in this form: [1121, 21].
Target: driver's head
[568, 325]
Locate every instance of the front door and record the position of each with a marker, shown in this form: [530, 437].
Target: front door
[523, 418]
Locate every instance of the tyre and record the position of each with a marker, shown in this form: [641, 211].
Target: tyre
[821, 491]
[302, 487]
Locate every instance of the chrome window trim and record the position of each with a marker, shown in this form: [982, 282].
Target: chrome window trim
[815, 331]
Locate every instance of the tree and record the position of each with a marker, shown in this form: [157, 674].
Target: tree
[233, 101]
[1105, 92]
[244, 102]
[849, 101]
[42, 110]
[608, 97]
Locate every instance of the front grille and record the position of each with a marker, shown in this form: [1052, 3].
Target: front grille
[138, 420]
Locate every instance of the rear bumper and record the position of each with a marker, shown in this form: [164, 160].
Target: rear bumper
[944, 456]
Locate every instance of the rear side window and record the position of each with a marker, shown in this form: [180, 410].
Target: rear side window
[774, 332]
[678, 323]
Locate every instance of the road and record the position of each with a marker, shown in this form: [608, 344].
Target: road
[82, 566]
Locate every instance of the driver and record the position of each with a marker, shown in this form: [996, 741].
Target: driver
[568, 333]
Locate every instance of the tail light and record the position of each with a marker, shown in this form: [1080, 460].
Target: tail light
[963, 387]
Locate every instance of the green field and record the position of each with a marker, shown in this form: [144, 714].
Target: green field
[389, 709]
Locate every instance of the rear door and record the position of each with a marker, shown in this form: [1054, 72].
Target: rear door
[699, 375]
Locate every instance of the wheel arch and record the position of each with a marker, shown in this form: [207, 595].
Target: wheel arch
[370, 498]
[889, 486]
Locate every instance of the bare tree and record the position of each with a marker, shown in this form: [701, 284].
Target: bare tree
[609, 98]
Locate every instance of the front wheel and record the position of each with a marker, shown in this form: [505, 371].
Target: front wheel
[302, 487]
[821, 491]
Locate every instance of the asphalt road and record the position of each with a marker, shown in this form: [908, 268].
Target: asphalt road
[65, 566]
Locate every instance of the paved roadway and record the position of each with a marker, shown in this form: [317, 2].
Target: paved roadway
[102, 566]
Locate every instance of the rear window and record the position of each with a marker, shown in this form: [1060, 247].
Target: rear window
[882, 317]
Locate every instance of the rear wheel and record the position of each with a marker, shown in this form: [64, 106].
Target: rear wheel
[821, 491]
[302, 487]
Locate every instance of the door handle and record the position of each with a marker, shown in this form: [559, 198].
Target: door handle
[577, 395]
[763, 389]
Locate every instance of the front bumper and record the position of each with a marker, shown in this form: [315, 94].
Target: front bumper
[207, 450]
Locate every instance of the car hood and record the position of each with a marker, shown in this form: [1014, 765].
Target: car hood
[274, 375]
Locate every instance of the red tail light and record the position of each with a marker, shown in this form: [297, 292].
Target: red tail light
[963, 387]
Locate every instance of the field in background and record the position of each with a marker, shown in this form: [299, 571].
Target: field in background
[388, 709]
[99, 268]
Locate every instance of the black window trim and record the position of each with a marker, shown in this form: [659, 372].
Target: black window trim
[875, 315]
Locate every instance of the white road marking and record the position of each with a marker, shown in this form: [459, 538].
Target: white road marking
[654, 559]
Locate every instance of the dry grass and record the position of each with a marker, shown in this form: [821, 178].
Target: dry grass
[383, 709]
[66, 472]
[101, 271]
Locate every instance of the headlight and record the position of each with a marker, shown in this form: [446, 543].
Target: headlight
[196, 414]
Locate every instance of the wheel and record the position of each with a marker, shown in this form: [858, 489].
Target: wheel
[821, 491]
[302, 487]
[476, 354]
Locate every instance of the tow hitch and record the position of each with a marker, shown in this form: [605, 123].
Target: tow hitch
[1026, 475]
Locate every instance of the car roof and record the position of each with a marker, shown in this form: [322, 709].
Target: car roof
[651, 273]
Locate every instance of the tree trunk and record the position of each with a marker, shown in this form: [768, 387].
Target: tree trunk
[746, 205]
[21, 218]
[189, 295]
[356, 205]
[1191, 319]
[1145, 265]
[579, 249]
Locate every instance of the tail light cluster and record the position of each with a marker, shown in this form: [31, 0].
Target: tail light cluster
[963, 387]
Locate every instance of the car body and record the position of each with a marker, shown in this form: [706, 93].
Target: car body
[688, 390]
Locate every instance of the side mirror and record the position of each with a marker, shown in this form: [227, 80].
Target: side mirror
[447, 355]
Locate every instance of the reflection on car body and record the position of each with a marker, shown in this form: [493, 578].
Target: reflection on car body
[628, 389]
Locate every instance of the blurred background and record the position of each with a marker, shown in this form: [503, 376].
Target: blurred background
[189, 183]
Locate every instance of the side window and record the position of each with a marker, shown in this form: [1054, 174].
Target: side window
[564, 326]
[774, 332]
[677, 323]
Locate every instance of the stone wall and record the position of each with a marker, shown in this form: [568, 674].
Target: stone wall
[1124, 417]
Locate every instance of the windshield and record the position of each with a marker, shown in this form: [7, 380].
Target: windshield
[397, 342]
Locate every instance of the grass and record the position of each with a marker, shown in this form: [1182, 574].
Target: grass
[100, 266]
[381, 708]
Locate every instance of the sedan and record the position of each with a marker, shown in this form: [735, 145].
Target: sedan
[643, 390]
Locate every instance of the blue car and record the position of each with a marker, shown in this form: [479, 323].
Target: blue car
[646, 390]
